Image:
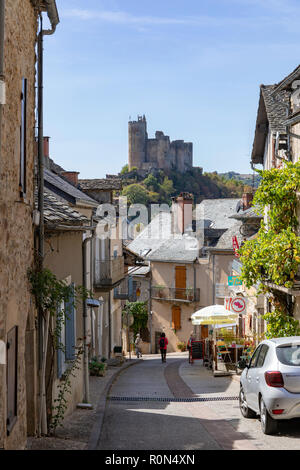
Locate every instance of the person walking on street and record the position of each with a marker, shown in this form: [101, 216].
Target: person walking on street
[138, 350]
[191, 338]
[163, 342]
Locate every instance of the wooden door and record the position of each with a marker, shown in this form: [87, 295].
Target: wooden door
[204, 331]
[180, 282]
[176, 317]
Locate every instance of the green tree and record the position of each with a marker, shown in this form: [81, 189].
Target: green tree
[167, 187]
[136, 194]
[139, 312]
[274, 255]
[125, 169]
[151, 183]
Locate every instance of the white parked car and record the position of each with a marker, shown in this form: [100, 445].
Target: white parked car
[270, 383]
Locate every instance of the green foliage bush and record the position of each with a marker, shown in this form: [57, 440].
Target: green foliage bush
[274, 255]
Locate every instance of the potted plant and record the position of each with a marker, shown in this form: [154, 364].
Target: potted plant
[97, 368]
[181, 346]
[189, 293]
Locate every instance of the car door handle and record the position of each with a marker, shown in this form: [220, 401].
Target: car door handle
[257, 380]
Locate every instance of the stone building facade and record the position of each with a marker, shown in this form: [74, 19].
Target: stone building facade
[17, 313]
[145, 153]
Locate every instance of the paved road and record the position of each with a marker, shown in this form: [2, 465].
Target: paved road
[145, 412]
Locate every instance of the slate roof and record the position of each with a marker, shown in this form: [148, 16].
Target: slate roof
[271, 115]
[225, 241]
[153, 236]
[138, 271]
[65, 189]
[100, 184]
[55, 167]
[248, 214]
[288, 80]
[158, 242]
[183, 249]
[58, 213]
[217, 212]
[276, 112]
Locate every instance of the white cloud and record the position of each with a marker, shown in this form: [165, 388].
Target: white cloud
[272, 18]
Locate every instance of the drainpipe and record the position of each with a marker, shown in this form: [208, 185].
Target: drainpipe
[2, 82]
[2, 102]
[43, 325]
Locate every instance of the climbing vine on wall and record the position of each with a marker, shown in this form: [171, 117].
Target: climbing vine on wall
[139, 312]
[51, 294]
[274, 255]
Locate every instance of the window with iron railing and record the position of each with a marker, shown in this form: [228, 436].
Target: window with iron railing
[175, 293]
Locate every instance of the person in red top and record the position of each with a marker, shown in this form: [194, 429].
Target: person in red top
[163, 341]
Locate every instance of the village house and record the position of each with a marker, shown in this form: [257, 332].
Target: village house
[64, 229]
[108, 269]
[18, 335]
[184, 267]
[276, 140]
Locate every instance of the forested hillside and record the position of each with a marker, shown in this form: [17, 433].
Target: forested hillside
[159, 186]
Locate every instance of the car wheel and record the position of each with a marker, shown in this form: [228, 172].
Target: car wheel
[268, 424]
[245, 410]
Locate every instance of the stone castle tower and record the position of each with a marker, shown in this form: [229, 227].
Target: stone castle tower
[145, 153]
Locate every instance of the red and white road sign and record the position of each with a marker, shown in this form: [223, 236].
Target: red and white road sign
[235, 245]
[235, 304]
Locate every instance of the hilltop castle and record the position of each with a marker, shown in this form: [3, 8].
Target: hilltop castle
[145, 153]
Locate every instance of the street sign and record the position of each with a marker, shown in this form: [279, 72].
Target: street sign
[221, 290]
[235, 304]
[235, 245]
[234, 281]
[237, 266]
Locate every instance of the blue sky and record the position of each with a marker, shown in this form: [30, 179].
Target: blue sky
[193, 67]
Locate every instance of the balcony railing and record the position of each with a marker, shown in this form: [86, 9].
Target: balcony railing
[174, 293]
[109, 271]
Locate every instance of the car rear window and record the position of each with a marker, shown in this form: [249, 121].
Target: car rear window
[289, 355]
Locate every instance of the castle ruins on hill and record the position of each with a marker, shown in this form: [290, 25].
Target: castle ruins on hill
[159, 153]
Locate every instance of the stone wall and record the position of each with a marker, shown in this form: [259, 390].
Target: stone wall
[160, 152]
[16, 227]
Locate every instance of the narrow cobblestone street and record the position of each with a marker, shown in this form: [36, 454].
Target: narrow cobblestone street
[181, 406]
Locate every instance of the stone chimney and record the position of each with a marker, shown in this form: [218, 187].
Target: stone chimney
[247, 199]
[71, 176]
[182, 209]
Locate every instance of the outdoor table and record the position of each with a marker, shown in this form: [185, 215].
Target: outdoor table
[234, 350]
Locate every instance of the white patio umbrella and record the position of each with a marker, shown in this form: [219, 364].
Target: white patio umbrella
[214, 315]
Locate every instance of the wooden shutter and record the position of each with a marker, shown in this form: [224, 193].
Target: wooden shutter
[132, 289]
[12, 373]
[204, 331]
[23, 139]
[176, 317]
[70, 340]
[180, 282]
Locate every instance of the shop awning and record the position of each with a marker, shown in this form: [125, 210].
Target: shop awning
[214, 315]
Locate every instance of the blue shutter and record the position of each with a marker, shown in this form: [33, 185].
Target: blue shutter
[130, 288]
[70, 327]
[134, 288]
